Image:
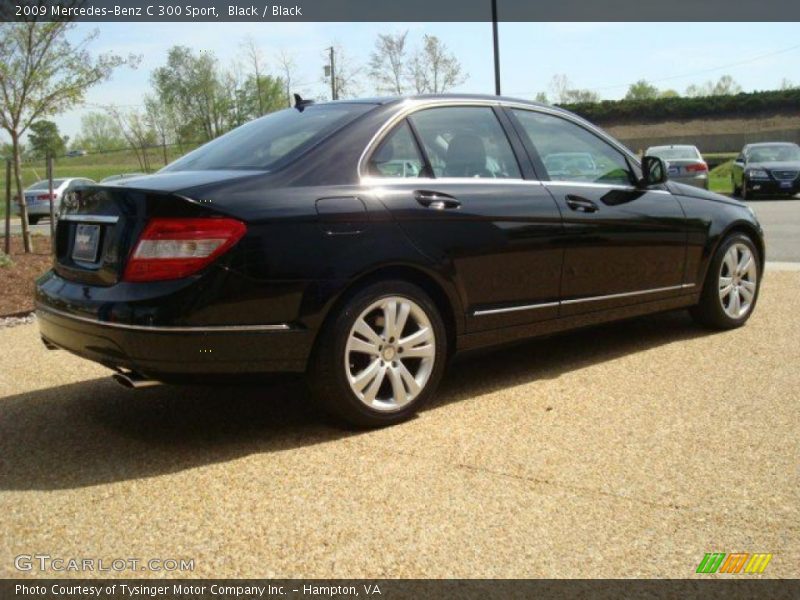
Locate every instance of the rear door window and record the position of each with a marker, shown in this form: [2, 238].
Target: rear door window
[466, 141]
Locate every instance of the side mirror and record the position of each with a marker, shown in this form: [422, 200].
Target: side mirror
[654, 171]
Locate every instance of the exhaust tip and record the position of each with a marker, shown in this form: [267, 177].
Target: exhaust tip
[134, 381]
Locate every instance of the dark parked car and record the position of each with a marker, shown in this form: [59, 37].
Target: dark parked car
[366, 242]
[770, 168]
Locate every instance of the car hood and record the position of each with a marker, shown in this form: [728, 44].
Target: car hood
[176, 181]
[695, 192]
[789, 165]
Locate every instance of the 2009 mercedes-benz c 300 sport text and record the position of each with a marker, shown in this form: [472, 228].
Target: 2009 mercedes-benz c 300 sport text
[366, 242]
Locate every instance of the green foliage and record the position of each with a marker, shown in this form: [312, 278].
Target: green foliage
[725, 86]
[641, 90]
[99, 133]
[5, 260]
[192, 86]
[45, 139]
[664, 109]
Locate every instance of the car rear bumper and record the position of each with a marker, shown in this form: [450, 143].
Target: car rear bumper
[173, 353]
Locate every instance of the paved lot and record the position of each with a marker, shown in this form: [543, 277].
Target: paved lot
[781, 222]
[624, 451]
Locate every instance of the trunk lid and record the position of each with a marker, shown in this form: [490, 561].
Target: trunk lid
[99, 226]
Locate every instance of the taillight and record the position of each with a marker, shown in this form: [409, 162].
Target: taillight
[176, 248]
[697, 168]
[46, 196]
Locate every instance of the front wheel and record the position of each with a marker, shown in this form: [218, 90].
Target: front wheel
[731, 286]
[381, 357]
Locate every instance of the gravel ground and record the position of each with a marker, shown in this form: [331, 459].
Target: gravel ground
[623, 451]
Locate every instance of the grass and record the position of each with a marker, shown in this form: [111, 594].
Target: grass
[719, 178]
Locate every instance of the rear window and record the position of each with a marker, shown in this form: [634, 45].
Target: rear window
[270, 141]
[677, 152]
[44, 184]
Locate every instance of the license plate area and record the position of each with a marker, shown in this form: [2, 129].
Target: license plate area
[786, 184]
[87, 243]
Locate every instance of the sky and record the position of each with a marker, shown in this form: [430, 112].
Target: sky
[605, 57]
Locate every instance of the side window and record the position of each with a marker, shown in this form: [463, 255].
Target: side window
[571, 153]
[397, 156]
[466, 141]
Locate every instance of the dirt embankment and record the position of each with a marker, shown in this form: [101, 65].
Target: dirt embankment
[725, 125]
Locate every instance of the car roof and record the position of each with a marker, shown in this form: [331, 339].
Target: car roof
[761, 144]
[673, 146]
[380, 100]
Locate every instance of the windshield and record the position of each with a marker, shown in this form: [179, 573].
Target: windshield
[43, 185]
[776, 153]
[674, 152]
[275, 138]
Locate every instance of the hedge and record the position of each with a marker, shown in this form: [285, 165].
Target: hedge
[662, 109]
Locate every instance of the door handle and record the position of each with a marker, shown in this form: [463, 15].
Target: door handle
[581, 204]
[435, 200]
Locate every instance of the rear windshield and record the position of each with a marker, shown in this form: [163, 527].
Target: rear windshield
[270, 141]
[676, 152]
[44, 184]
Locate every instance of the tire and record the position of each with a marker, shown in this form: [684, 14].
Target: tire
[745, 196]
[736, 190]
[717, 309]
[33, 220]
[345, 367]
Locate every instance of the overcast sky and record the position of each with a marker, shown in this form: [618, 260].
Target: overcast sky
[605, 57]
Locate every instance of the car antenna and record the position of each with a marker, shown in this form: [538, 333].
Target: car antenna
[300, 104]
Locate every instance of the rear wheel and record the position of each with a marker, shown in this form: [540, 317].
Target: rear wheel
[732, 283]
[33, 220]
[744, 193]
[381, 357]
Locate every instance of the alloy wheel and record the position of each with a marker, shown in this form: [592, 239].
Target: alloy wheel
[738, 281]
[390, 353]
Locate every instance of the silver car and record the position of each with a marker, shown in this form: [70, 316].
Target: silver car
[685, 164]
[37, 196]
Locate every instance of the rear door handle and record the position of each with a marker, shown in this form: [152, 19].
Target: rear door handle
[581, 204]
[435, 200]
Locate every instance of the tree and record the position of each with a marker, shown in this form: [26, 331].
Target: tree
[725, 86]
[43, 73]
[138, 133]
[192, 87]
[433, 70]
[786, 84]
[256, 62]
[566, 94]
[287, 65]
[669, 93]
[642, 90]
[45, 139]
[542, 98]
[348, 74]
[99, 133]
[387, 66]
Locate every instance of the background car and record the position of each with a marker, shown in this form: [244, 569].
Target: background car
[771, 168]
[366, 242]
[73, 153]
[37, 196]
[684, 164]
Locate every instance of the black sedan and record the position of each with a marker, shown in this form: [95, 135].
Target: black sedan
[367, 242]
[770, 168]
